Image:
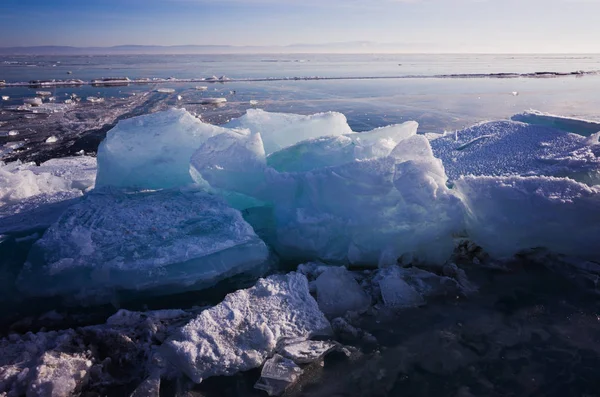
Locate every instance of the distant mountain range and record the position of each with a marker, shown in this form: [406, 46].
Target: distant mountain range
[343, 47]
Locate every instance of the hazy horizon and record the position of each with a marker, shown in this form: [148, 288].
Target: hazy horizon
[412, 26]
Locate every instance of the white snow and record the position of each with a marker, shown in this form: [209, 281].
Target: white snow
[152, 151]
[159, 241]
[241, 332]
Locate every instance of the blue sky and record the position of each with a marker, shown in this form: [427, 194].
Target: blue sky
[423, 25]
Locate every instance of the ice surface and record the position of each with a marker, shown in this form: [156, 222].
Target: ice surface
[569, 124]
[337, 150]
[338, 293]
[278, 374]
[52, 139]
[507, 215]
[152, 151]
[242, 331]
[362, 212]
[508, 148]
[279, 130]
[162, 241]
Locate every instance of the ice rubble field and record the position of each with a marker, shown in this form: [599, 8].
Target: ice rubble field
[169, 189]
[178, 204]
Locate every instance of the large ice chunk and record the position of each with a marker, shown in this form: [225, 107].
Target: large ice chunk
[164, 241]
[510, 214]
[362, 212]
[152, 151]
[569, 124]
[279, 130]
[509, 148]
[242, 331]
[336, 150]
[338, 293]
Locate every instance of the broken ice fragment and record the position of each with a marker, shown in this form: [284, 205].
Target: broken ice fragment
[307, 351]
[240, 333]
[277, 375]
[152, 151]
[213, 101]
[279, 130]
[52, 139]
[395, 292]
[165, 241]
[59, 374]
[166, 90]
[33, 101]
[338, 293]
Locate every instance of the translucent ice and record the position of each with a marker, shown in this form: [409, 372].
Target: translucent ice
[278, 374]
[569, 124]
[242, 331]
[279, 130]
[338, 293]
[508, 148]
[161, 241]
[336, 150]
[509, 214]
[152, 151]
[363, 212]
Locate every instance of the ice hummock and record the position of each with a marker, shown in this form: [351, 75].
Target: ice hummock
[158, 241]
[280, 130]
[152, 151]
[241, 332]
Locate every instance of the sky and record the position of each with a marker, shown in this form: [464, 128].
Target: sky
[512, 26]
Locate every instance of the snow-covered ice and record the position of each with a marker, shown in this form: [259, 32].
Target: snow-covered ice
[241, 332]
[160, 241]
[279, 130]
[152, 151]
[509, 148]
[25, 187]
